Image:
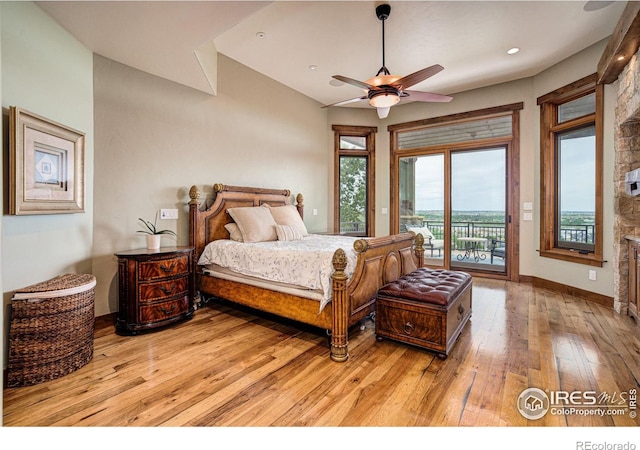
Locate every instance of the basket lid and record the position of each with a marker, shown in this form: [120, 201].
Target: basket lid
[60, 286]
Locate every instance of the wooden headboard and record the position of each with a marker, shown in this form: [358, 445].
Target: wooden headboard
[207, 223]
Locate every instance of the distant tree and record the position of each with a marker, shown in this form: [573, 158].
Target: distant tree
[353, 189]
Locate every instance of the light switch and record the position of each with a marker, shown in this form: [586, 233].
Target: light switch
[315, 211]
[527, 217]
[527, 206]
[383, 211]
[168, 213]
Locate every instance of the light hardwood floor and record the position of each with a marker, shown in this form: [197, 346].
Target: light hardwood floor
[230, 367]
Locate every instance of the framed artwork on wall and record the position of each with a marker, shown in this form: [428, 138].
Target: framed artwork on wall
[46, 165]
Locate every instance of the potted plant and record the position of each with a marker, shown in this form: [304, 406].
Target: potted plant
[153, 234]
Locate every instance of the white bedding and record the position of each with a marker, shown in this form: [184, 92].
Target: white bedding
[305, 262]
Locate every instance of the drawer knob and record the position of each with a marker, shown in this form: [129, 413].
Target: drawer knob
[168, 311]
[408, 328]
[167, 269]
[168, 290]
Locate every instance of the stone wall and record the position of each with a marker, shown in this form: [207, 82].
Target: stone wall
[627, 147]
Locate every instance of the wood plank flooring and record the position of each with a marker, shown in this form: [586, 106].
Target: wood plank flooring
[229, 367]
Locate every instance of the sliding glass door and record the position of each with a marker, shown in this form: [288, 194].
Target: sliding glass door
[478, 209]
[455, 180]
[458, 201]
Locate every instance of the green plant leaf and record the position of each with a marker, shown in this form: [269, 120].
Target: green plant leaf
[151, 228]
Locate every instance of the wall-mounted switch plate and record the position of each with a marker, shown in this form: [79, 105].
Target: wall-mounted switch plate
[168, 214]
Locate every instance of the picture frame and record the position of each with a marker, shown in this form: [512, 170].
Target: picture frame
[46, 165]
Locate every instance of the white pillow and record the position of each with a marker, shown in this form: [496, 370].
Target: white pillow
[426, 233]
[255, 223]
[234, 232]
[288, 215]
[288, 233]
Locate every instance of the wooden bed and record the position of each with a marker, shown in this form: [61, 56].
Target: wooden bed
[379, 261]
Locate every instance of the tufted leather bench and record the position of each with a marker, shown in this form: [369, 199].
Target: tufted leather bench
[427, 308]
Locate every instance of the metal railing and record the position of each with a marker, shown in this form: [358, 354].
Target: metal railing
[353, 227]
[583, 234]
[489, 230]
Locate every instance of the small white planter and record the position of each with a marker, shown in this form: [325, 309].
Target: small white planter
[153, 241]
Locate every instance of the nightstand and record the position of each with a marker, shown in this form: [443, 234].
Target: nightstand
[156, 288]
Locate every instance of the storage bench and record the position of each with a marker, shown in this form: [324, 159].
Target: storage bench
[51, 329]
[427, 308]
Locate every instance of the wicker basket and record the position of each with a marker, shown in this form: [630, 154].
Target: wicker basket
[51, 329]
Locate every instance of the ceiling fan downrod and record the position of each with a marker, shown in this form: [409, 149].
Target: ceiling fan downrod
[383, 11]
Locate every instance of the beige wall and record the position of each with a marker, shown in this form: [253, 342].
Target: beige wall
[47, 72]
[156, 138]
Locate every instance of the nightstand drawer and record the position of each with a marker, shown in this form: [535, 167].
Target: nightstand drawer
[153, 270]
[165, 310]
[152, 292]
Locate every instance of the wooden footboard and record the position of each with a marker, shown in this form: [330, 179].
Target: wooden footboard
[379, 261]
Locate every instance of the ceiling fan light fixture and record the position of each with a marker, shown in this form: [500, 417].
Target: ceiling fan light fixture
[383, 112]
[384, 98]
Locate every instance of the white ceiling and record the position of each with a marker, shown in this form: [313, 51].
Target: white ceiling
[469, 38]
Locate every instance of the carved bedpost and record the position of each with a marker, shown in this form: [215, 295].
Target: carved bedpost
[194, 204]
[300, 205]
[419, 249]
[340, 309]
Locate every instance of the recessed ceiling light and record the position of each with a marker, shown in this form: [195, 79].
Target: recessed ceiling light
[336, 83]
[313, 67]
[513, 50]
[261, 34]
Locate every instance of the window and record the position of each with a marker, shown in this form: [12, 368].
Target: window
[571, 173]
[354, 195]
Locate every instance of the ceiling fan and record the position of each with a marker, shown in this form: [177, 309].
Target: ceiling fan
[385, 90]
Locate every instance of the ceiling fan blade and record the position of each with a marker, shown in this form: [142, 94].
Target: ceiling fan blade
[344, 102]
[417, 77]
[426, 97]
[351, 81]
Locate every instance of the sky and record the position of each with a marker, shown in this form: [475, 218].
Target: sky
[478, 182]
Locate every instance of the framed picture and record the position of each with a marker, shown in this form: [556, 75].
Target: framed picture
[46, 166]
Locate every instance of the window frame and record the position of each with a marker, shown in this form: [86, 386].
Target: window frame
[549, 165]
[369, 134]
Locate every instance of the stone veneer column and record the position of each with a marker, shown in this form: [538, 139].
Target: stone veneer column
[627, 157]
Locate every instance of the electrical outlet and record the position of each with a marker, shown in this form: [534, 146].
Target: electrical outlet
[168, 214]
[592, 275]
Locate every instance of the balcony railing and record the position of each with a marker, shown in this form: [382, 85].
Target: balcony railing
[491, 230]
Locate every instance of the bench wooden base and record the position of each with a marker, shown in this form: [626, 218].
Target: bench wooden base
[430, 318]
